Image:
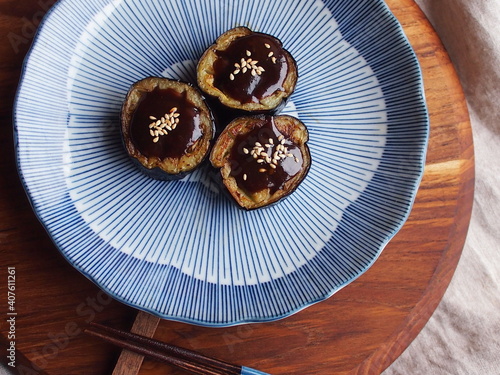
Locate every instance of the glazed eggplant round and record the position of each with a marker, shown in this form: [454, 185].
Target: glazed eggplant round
[262, 159]
[248, 71]
[166, 126]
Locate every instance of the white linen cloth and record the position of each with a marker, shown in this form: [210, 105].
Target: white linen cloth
[463, 335]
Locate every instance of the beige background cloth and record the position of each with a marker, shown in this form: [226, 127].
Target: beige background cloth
[463, 335]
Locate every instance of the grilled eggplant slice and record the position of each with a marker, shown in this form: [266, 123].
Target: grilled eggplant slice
[248, 71]
[166, 126]
[262, 159]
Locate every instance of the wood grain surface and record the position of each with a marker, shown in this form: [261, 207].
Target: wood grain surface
[130, 362]
[360, 330]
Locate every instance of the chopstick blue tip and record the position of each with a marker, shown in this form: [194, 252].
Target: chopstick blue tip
[251, 371]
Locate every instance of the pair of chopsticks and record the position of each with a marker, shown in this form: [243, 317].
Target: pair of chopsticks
[191, 361]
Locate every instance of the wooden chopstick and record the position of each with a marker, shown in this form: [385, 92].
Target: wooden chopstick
[188, 360]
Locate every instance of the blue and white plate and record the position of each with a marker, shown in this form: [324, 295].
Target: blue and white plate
[182, 250]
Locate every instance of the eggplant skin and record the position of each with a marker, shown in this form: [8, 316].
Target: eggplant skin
[272, 104]
[291, 128]
[224, 115]
[168, 168]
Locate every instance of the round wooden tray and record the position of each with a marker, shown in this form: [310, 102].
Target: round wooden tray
[360, 330]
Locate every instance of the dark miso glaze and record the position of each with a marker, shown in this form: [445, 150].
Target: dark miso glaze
[242, 163]
[246, 88]
[178, 141]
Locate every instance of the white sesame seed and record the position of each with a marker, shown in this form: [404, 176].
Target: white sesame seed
[173, 110]
[248, 53]
[152, 133]
[270, 54]
[258, 144]
[296, 159]
[268, 145]
[267, 45]
[281, 137]
[263, 154]
[231, 77]
[273, 166]
[175, 115]
[245, 150]
[244, 177]
[169, 128]
[261, 170]
[156, 139]
[248, 65]
[273, 59]
[260, 161]
[158, 123]
[290, 155]
[152, 125]
[152, 118]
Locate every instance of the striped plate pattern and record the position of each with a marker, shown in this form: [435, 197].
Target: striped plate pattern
[155, 244]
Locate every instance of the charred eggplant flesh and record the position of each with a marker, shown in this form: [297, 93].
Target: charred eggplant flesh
[262, 159]
[167, 128]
